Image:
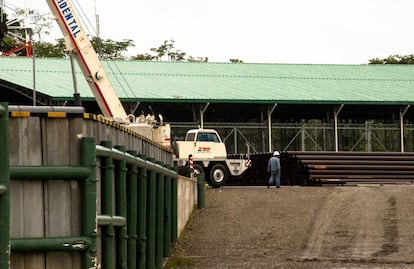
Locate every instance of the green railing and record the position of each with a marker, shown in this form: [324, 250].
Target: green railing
[4, 188]
[128, 206]
[137, 224]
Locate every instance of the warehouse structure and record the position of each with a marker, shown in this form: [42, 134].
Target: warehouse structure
[294, 106]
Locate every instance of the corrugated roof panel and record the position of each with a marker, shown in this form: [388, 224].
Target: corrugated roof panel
[225, 82]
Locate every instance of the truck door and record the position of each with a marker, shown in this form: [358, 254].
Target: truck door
[209, 146]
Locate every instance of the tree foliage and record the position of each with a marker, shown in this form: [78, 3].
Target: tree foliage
[13, 35]
[47, 49]
[6, 43]
[110, 49]
[143, 57]
[40, 23]
[235, 61]
[394, 59]
[197, 59]
[167, 51]
[106, 48]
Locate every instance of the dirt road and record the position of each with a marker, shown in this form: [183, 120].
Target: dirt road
[302, 227]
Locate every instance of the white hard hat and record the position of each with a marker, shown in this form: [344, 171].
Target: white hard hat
[276, 153]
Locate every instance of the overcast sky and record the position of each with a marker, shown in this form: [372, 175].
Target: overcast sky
[258, 31]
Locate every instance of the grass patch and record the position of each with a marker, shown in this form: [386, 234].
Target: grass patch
[179, 262]
[176, 259]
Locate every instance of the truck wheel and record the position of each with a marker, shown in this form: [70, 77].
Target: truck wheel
[198, 168]
[218, 175]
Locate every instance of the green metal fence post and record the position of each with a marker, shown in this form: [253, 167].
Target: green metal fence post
[142, 217]
[107, 186]
[167, 216]
[4, 188]
[132, 213]
[200, 190]
[121, 210]
[159, 224]
[88, 197]
[174, 209]
[151, 206]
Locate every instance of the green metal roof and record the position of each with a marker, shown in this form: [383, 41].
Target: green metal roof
[225, 82]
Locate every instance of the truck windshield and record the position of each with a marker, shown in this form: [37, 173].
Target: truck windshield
[208, 137]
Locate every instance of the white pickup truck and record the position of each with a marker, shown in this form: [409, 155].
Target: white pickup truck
[209, 156]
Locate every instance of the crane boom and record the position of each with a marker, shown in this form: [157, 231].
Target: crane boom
[78, 43]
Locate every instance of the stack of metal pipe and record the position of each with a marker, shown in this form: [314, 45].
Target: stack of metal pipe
[357, 167]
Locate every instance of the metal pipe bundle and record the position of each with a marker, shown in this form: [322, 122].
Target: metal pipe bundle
[357, 167]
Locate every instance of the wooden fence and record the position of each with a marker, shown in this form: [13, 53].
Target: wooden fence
[86, 193]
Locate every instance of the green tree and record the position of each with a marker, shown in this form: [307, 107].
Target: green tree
[235, 61]
[168, 51]
[394, 59]
[197, 59]
[110, 49]
[13, 35]
[106, 49]
[40, 23]
[164, 49]
[47, 49]
[6, 41]
[143, 57]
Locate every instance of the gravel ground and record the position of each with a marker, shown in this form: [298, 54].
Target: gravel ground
[301, 227]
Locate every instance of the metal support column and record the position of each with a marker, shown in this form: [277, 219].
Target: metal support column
[202, 111]
[336, 113]
[303, 137]
[34, 70]
[269, 122]
[235, 139]
[368, 141]
[4, 188]
[402, 113]
[76, 95]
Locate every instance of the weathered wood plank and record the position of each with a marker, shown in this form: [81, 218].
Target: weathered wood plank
[26, 196]
[57, 193]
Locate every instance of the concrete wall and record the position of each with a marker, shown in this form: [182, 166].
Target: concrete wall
[187, 200]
